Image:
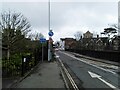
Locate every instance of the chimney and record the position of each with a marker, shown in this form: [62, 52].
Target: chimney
[81, 37]
[97, 36]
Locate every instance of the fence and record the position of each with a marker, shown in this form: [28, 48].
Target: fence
[107, 55]
[12, 68]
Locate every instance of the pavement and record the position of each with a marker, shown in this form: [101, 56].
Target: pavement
[46, 75]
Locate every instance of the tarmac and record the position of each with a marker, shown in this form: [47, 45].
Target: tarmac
[46, 75]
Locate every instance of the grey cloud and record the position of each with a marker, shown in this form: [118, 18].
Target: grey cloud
[100, 9]
[91, 15]
[37, 13]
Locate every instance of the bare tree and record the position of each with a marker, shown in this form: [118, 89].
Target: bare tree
[14, 27]
[78, 35]
[35, 36]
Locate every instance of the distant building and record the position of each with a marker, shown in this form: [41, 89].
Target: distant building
[88, 35]
[116, 43]
[62, 44]
[88, 42]
[68, 43]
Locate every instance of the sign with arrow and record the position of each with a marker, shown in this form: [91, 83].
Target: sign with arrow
[50, 33]
[93, 75]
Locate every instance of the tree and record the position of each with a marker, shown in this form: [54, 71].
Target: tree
[112, 30]
[78, 35]
[14, 27]
[115, 26]
[35, 36]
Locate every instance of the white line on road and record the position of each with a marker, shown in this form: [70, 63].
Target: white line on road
[89, 63]
[93, 75]
[96, 67]
[68, 75]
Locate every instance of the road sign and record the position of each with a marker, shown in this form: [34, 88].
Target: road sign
[50, 33]
[50, 40]
[42, 40]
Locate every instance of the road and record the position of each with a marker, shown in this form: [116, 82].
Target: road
[91, 74]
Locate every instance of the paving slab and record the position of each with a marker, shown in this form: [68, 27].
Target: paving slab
[47, 75]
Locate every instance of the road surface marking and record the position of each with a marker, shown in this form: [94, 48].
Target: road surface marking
[93, 75]
[90, 64]
[57, 56]
[69, 76]
[96, 74]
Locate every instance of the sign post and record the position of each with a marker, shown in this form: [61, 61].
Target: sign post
[42, 40]
[42, 53]
[49, 45]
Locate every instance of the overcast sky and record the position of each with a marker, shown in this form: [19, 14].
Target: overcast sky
[66, 17]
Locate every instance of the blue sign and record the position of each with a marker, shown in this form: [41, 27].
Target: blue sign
[42, 40]
[50, 33]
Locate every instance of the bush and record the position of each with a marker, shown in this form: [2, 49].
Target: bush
[12, 66]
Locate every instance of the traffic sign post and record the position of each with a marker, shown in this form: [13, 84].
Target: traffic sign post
[50, 33]
[42, 40]
[49, 45]
[42, 52]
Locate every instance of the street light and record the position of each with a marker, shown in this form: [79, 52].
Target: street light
[49, 43]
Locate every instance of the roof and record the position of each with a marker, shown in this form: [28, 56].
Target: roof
[67, 39]
[88, 32]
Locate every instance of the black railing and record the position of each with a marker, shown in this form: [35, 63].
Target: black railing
[10, 69]
[18, 65]
[27, 64]
[107, 55]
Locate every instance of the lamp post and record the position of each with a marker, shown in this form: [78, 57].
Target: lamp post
[49, 53]
[50, 34]
[49, 45]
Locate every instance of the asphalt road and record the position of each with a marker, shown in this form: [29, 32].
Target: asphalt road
[91, 75]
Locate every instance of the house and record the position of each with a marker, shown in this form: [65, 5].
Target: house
[88, 34]
[86, 42]
[101, 43]
[68, 43]
[89, 42]
[62, 43]
[116, 43]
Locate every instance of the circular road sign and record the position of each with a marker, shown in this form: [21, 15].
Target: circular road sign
[50, 33]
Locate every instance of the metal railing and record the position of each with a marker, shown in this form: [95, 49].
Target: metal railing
[107, 55]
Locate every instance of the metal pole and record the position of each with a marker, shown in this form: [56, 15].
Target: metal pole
[49, 53]
[42, 52]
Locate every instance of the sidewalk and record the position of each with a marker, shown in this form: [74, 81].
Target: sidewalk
[47, 75]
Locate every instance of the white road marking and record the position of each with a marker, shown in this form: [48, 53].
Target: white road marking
[69, 76]
[93, 75]
[57, 56]
[90, 63]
